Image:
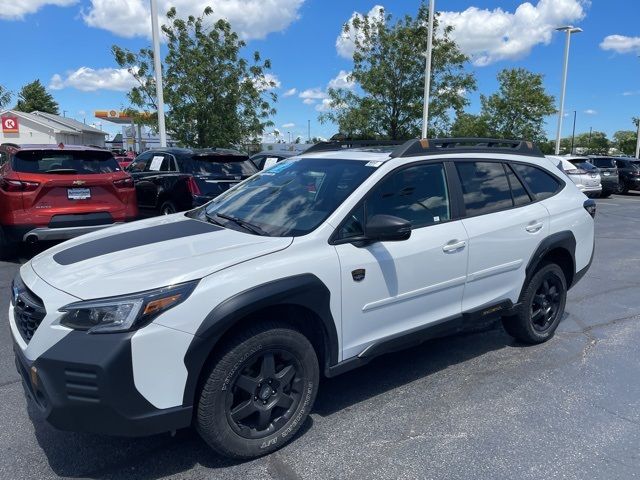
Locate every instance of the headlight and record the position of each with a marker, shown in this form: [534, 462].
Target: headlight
[119, 314]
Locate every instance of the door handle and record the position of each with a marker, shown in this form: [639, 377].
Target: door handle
[534, 227]
[454, 246]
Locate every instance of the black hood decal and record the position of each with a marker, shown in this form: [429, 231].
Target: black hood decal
[135, 238]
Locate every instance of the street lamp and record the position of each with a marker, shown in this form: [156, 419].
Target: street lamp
[427, 70]
[157, 66]
[569, 29]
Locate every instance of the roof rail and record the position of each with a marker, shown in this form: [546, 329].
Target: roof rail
[8, 144]
[433, 146]
[341, 144]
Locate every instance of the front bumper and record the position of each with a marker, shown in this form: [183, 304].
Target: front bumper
[85, 383]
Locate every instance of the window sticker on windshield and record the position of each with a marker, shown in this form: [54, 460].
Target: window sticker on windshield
[279, 167]
[156, 163]
[270, 162]
[374, 164]
[436, 218]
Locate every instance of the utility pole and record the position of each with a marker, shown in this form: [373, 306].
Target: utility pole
[427, 70]
[157, 66]
[309, 131]
[638, 141]
[573, 134]
[569, 30]
[589, 145]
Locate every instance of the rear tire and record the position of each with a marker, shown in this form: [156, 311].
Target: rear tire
[168, 208]
[623, 189]
[259, 391]
[606, 194]
[7, 249]
[541, 307]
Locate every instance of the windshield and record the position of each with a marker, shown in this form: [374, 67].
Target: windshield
[222, 165]
[291, 198]
[61, 162]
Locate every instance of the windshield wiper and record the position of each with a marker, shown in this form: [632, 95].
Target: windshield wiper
[211, 219]
[62, 170]
[244, 224]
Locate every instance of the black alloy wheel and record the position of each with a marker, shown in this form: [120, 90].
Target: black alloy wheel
[168, 208]
[546, 303]
[265, 394]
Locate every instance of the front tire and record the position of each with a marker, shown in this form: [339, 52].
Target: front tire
[541, 307]
[259, 391]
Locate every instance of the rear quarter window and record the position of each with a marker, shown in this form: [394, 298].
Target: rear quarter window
[214, 165]
[541, 184]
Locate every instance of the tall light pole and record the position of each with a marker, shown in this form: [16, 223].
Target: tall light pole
[569, 29]
[427, 70]
[638, 141]
[157, 66]
[573, 132]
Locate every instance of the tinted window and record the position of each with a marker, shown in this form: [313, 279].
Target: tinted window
[222, 165]
[583, 164]
[65, 162]
[603, 162]
[293, 197]
[418, 194]
[519, 193]
[484, 187]
[140, 163]
[542, 184]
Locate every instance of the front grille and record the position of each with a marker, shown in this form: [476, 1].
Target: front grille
[28, 310]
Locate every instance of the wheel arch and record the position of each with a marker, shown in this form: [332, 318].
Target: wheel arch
[303, 301]
[559, 248]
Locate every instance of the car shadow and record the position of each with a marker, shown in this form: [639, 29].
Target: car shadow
[114, 458]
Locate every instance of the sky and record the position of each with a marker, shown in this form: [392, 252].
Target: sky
[67, 45]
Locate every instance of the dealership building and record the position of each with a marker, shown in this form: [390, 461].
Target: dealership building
[45, 128]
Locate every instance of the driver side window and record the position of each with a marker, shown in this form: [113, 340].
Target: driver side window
[418, 194]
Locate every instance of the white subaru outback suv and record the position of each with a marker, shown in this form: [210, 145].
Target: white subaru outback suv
[225, 317]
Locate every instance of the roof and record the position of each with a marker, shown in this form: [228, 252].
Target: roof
[43, 121]
[69, 122]
[278, 153]
[199, 151]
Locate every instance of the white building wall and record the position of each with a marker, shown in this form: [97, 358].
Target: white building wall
[30, 132]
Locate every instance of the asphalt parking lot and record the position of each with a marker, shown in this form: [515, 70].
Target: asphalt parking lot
[477, 405]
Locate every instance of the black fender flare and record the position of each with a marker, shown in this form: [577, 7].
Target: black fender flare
[304, 290]
[564, 240]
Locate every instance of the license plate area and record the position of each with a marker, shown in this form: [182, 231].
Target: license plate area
[78, 193]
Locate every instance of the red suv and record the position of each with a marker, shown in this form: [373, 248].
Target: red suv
[57, 192]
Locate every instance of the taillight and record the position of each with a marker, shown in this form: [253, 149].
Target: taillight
[124, 183]
[9, 185]
[193, 187]
[590, 207]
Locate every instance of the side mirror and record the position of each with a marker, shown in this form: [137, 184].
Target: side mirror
[387, 228]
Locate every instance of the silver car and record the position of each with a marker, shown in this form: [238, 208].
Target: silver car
[585, 175]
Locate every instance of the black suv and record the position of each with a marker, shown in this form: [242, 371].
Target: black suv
[170, 180]
[609, 177]
[629, 172]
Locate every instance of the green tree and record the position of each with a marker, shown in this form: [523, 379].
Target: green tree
[214, 96]
[5, 97]
[518, 109]
[595, 143]
[33, 96]
[468, 125]
[388, 68]
[625, 141]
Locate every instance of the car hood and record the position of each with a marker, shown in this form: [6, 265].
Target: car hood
[148, 254]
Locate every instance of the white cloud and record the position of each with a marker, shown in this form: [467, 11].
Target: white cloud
[346, 41]
[250, 18]
[631, 93]
[621, 44]
[342, 81]
[311, 95]
[590, 111]
[488, 36]
[17, 9]
[325, 105]
[89, 79]
[288, 125]
[290, 92]
[266, 83]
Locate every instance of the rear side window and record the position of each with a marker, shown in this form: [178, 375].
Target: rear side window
[541, 184]
[485, 187]
[603, 162]
[221, 165]
[65, 162]
[519, 193]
